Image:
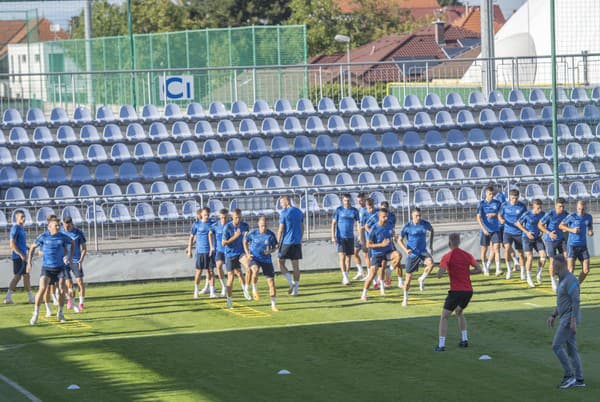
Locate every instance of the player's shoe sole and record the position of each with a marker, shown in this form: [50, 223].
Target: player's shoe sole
[567, 382]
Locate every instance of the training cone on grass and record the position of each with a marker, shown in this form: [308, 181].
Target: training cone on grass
[485, 357]
[283, 372]
[73, 386]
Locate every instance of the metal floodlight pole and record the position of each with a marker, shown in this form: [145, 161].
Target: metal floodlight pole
[554, 98]
[346, 39]
[87, 19]
[132, 53]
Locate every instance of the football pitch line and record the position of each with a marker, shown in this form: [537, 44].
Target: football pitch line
[238, 309]
[20, 389]
[70, 325]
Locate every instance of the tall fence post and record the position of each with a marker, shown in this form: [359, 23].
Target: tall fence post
[95, 225]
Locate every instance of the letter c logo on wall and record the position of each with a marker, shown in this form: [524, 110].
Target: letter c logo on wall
[176, 87]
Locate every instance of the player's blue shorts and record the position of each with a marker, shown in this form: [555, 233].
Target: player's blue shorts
[77, 270]
[535, 244]
[19, 267]
[511, 239]
[267, 267]
[414, 260]
[554, 248]
[358, 245]
[345, 246]
[378, 259]
[290, 252]
[485, 240]
[53, 273]
[578, 252]
[67, 271]
[203, 261]
[219, 256]
[232, 263]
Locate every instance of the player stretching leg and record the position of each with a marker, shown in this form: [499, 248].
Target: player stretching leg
[553, 236]
[487, 218]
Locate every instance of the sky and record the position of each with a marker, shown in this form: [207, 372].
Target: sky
[60, 12]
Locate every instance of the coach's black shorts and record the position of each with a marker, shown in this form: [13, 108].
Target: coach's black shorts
[345, 246]
[290, 252]
[457, 298]
[19, 267]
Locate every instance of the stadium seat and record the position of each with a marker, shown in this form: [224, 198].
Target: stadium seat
[344, 181]
[135, 132]
[309, 204]
[346, 143]
[399, 199]
[104, 173]
[366, 178]
[189, 208]
[257, 147]
[2, 138]
[358, 124]
[104, 114]
[579, 96]
[583, 133]
[35, 117]
[528, 116]
[411, 176]
[297, 181]
[565, 168]
[80, 174]
[549, 152]
[488, 156]
[42, 136]
[82, 115]
[466, 157]
[234, 148]
[216, 111]
[279, 146]
[537, 98]
[188, 150]
[455, 176]
[180, 130]
[533, 191]
[444, 198]
[389, 179]
[25, 156]
[14, 196]
[127, 114]
[595, 189]
[593, 150]
[336, 124]
[467, 197]
[507, 117]
[230, 186]
[174, 170]
[378, 161]
[477, 138]
[96, 154]
[150, 114]
[496, 99]
[58, 116]
[499, 171]
[454, 101]
[561, 97]
[89, 134]
[334, 163]
[433, 177]
[477, 175]
[301, 145]
[543, 171]
[368, 143]
[182, 188]
[270, 127]
[412, 103]
[305, 107]
[400, 160]
[151, 172]
[261, 109]
[324, 144]
[487, 118]
[66, 135]
[348, 106]
[422, 199]
[39, 195]
[41, 217]
[531, 154]
[390, 141]
[422, 159]
[510, 155]
[212, 149]
[6, 158]
[390, 104]
[326, 107]
[128, 172]
[172, 112]
[540, 135]
[311, 164]
[252, 184]
[574, 152]
[477, 100]
[422, 121]
[243, 167]
[86, 193]
[596, 94]
[433, 140]
[356, 162]
[331, 202]
[221, 168]
[433, 102]
[203, 129]
[561, 191]
[519, 136]
[205, 185]
[159, 190]
[275, 185]
[443, 120]
[379, 123]
[8, 176]
[248, 128]
[400, 121]
[570, 115]
[292, 126]
[465, 119]
[412, 141]
[72, 212]
[586, 170]
[266, 166]
[516, 98]
[119, 153]
[546, 115]
[288, 165]
[522, 172]
[64, 194]
[134, 191]
[158, 132]
[195, 111]
[143, 213]
[578, 191]
[591, 114]
[455, 139]
[143, 152]
[368, 104]
[283, 108]
[32, 176]
[18, 136]
[444, 158]
[321, 180]
[167, 211]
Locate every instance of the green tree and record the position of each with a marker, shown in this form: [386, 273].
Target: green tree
[444, 3]
[225, 13]
[107, 20]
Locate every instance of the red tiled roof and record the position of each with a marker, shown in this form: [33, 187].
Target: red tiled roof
[349, 6]
[472, 20]
[15, 31]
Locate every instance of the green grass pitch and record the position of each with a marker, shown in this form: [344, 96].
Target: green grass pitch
[151, 341]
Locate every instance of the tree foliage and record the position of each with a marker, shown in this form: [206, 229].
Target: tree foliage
[444, 3]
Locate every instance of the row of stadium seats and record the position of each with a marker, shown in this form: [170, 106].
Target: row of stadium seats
[282, 107]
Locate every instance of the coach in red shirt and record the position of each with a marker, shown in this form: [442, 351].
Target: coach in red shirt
[458, 263]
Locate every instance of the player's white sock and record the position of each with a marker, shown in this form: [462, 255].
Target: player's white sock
[195, 288]
[364, 293]
[222, 283]
[288, 277]
[205, 288]
[400, 282]
[523, 273]
[48, 310]
[296, 285]
[36, 309]
[254, 287]
[30, 295]
[508, 266]
[423, 277]
[375, 281]
[245, 288]
[212, 289]
[497, 267]
[273, 301]
[359, 268]
[405, 297]
[9, 293]
[515, 261]
[81, 299]
[463, 335]
[442, 342]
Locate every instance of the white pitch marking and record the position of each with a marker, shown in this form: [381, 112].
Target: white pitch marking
[19, 388]
[532, 304]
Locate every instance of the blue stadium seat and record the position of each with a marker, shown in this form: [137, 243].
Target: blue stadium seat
[283, 108]
[221, 168]
[543, 171]
[368, 143]
[400, 121]
[380, 123]
[522, 172]
[591, 114]
[142, 152]
[531, 154]
[356, 162]
[6, 158]
[292, 126]
[561, 191]
[58, 116]
[321, 180]
[564, 133]
[412, 140]
[104, 173]
[206, 185]
[159, 190]
[279, 146]
[32, 176]
[174, 170]
[444, 158]
[455, 176]
[127, 114]
[389, 179]
[528, 116]
[533, 191]
[583, 133]
[343, 180]
[135, 132]
[309, 204]
[311, 164]
[400, 160]
[314, 126]
[2, 138]
[248, 128]
[546, 115]
[499, 171]
[519, 135]
[257, 147]
[507, 117]
[244, 167]
[167, 211]
[42, 136]
[561, 97]
[348, 106]
[86, 192]
[433, 140]
[150, 114]
[261, 109]
[211, 148]
[35, 117]
[230, 186]
[8, 176]
[433, 103]
[215, 205]
[595, 189]
[412, 103]
[73, 212]
[66, 135]
[487, 118]
[516, 98]
[422, 199]
[411, 176]
[444, 198]
[288, 165]
[586, 170]
[14, 196]
[203, 129]
[467, 197]
[444, 121]
[331, 202]
[41, 217]
[399, 200]
[334, 163]
[270, 127]
[189, 208]
[275, 185]
[180, 130]
[95, 214]
[104, 114]
[39, 195]
[477, 175]
[390, 141]
[96, 153]
[346, 143]
[540, 135]
[433, 177]
[216, 111]
[366, 178]
[324, 144]
[89, 134]
[234, 147]
[574, 152]
[477, 138]
[499, 137]
[82, 115]
[128, 172]
[593, 150]
[173, 112]
[64, 194]
[488, 156]
[266, 166]
[496, 99]
[143, 213]
[455, 139]
[595, 97]
[25, 156]
[422, 159]
[390, 104]
[151, 171]
[422, 121]
[464, 119]
[158, 132]
[304, 107]
[188, 150]
[80, 174]
[134, 191]
[570, 115]
[578, 191]
[182, 188]
[537, 98]
[466, 157]
[326, 106]
[378, 161]
[119, 153]
[18, 136]
[298, 180]
[251, 184]
[358, 124]
[477, 100]
[28, 220]
[368, 104]
[195, 111]
[454, 101]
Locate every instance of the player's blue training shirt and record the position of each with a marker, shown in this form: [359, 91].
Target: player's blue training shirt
[236, 248]
[417, 235]
[17, 234]
[201, 230]
[552, 220]
[584, 223]
[258, 243]
[78, 239]
[391, 219]
[53, 248]
[217, 229]
[511, 214]
[379, 234]
[371, 218]
[530, 221]
[345, 219]
[500, 197]
[292, 219]
[488, 212]
[361, 215]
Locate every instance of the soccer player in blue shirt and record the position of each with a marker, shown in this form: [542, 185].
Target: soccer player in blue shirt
[201, 233]
[578, 225]
[55, 247]
[358, 247]
[554, 238]
[415, 234]
[345, 218]
[487, 218]
[289, 238]
[259, 244]
[233, 240]
[509, 214]
[18, 246]
[381, 246]
[532, 239]
[388, 271]
[76, 264]
[219, 254]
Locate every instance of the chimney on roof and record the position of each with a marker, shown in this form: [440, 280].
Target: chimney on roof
[440, 32]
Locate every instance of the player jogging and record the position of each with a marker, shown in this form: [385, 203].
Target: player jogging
[289, 238]
[345, 218]
[18, 246]
[509, 214]
[358, 246]
[487, 218]
[578, 224]
[219, 254]
[457, 262]
[76, 267]
[554, 238]
[233, 240]
[203, 235]
[532, 239]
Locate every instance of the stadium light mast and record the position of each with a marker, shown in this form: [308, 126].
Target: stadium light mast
[87, 25]
[553, 99]
[132, 53]
[346, 39]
